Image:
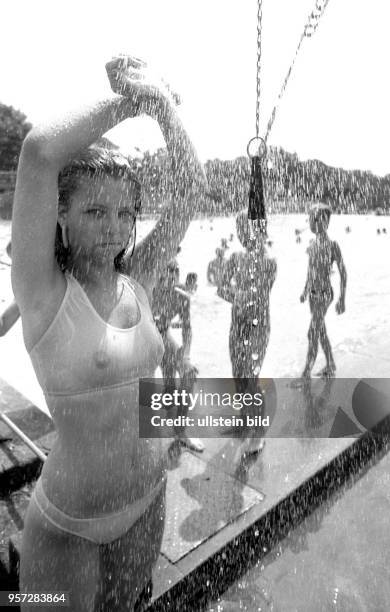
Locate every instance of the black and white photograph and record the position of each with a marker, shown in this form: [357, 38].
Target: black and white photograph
[194, 306]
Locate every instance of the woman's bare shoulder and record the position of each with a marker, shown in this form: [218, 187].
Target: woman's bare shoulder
[141, 292]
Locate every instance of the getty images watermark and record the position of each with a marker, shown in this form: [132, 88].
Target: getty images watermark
[278, 407]
[212, 408]
[187, 401]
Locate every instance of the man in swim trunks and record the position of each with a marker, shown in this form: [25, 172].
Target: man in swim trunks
[171, 299]
[323, 252]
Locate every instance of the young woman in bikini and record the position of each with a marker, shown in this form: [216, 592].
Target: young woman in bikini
[95, 521]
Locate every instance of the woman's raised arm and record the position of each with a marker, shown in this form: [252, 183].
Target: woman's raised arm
[188, 182]
[46, 150]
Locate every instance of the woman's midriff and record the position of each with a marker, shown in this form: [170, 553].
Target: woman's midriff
[99, 464]
[97, 480]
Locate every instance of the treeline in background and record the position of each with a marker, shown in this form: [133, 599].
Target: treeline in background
[290, 184]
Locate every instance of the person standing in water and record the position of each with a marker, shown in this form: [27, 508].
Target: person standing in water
[95, 521]
[247, 283]
[171, 299]
[216, 268]
[323, 252]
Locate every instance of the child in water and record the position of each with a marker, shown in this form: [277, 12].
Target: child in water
[216, 267]
[322, 253]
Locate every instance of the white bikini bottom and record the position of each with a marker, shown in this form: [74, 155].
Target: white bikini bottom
[102, 529]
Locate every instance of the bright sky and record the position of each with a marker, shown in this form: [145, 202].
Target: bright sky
[336, 106]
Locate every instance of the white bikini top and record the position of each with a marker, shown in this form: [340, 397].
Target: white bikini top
[80, 353]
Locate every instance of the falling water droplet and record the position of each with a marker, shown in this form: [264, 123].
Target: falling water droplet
[255, 356]
[246, 342]
[335, 595]
[255, 321]
[256, 371]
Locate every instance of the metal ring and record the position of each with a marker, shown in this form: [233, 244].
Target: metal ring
[261, 149]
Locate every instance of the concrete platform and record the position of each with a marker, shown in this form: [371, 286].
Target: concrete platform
[225, 511]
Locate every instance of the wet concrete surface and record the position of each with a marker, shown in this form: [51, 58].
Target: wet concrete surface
[201, 501]
[336, 560]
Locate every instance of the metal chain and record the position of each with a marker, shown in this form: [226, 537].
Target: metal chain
[314, 17]
[258, 68]
[310, 27]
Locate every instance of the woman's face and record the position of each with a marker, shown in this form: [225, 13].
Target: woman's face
[101, 217]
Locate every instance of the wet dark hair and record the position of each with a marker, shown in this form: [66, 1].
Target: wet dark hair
[173, 265]
[191, 278]
[93, 162]
[322, 211]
